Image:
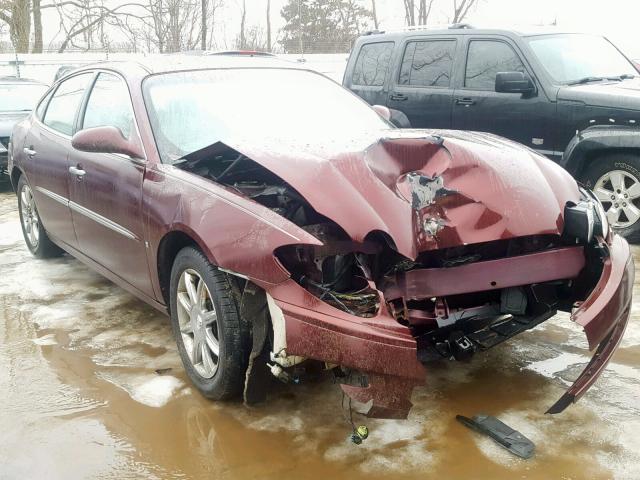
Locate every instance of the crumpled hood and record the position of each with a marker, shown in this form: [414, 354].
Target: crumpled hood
[469, 187]
[624, 94]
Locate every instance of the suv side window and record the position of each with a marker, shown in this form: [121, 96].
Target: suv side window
[62, 108]
[372, 64]
[485, 59]
[109, 104]
[427, 63]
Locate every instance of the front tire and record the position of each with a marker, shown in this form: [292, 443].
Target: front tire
[615, 180]
[213, 341]
[35, 236]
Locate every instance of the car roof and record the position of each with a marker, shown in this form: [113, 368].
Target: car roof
[466, 29]
[154, 64]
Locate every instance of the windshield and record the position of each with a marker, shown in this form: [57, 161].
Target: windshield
[16, 97]
[192, 110]
[572, 58]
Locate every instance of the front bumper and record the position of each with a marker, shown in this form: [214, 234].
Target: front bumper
[387, 352]
[604, 316]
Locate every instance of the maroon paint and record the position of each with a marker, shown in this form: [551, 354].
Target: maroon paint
[558, 264]
[604, 316]
[498, 190]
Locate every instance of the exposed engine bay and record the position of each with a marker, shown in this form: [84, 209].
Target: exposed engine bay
[360, 278]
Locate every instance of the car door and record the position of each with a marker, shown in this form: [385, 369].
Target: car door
[45, 159]
[106, 189]
[477, 106]
[422, 87]
[370, 72]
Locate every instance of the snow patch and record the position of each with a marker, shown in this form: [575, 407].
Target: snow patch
[149, 389]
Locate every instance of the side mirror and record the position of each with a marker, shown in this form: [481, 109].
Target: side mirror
[106, 140]
[383, 111]
[514, 82]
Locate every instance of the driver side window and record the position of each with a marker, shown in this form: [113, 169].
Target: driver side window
[109, 104]
[485, 59]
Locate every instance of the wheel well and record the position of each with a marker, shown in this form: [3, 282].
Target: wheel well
[15, 177]
[169, 247]
[594, 155]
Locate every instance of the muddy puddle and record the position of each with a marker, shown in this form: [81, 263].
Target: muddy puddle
[82, 398]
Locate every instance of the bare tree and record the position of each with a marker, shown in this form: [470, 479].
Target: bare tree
[203, 28]
[243, 18]
[374, 14]
[461, 9]
[37, 27]
[268, 25]
[17, 14]
[417, 14]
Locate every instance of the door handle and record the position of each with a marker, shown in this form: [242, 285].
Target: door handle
[465, 101]
[77, 171]
[30, 152]
[398, 97]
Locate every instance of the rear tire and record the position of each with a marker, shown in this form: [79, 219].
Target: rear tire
[615, 179]
[213, 341]
[35, 236]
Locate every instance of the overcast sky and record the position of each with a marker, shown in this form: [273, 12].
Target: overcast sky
[617, 19]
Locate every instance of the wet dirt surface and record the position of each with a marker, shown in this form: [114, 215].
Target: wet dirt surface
[81, 399]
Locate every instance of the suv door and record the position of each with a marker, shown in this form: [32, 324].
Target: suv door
[527, 119]
[422, 87]
[369, 77]
[45, 159]
[106, 189]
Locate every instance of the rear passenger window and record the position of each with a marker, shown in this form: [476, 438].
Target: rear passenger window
[372, 64]
[62, 108]
[487, 58]
[109, 104]
[427, 63]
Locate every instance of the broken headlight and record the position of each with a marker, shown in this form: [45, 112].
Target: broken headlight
[585, 219]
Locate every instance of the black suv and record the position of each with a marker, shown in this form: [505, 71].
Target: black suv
[572, 97]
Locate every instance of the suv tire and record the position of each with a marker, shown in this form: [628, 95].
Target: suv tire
[213, 341]
[615, 179]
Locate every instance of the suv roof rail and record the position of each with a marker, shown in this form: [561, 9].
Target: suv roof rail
[447, 26]
[456, 26]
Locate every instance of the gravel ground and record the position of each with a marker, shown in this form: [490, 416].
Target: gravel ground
[82, 399]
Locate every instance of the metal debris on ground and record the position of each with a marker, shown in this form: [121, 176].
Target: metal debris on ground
[501, 433]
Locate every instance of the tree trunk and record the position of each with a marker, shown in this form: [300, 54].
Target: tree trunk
[374, 13]
[37, 27]
[203, 39]
[269, 25]
[20, 26]
[243, 18]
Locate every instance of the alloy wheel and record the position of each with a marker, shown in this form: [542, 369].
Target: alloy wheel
[619, 192]
[198, 324]
[29, 214]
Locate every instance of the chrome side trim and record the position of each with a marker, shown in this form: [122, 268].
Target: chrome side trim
[105, 222]
[53, 196]
[553, 153]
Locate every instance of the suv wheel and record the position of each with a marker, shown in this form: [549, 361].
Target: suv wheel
[615, 180]
[34, 233]
[213, 341]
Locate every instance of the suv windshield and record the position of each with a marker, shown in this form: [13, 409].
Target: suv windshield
[195, 109]
[15, 97]
[577, 58]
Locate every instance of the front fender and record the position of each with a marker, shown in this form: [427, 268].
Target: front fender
[600, 138]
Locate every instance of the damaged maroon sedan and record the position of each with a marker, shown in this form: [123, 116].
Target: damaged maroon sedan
[278, 219]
